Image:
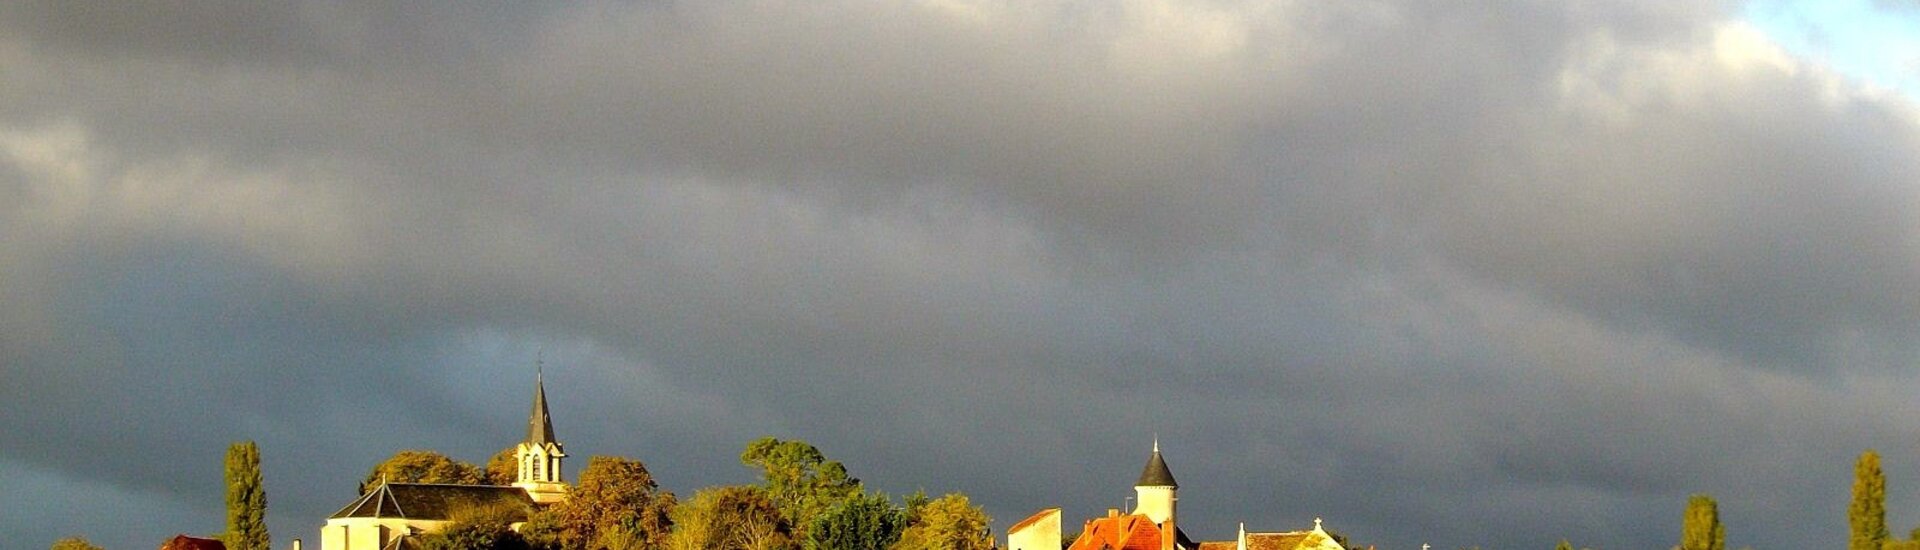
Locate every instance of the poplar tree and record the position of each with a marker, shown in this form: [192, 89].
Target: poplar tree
[1701, 529]
[246, 499]
[1868, 514]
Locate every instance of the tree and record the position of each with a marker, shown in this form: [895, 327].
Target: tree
[1867, 516]
[947, 523]
[417, 466]
[246, 499]
[504, 467]
[74, 543]
[1912, 542]
[1564, 545]
[468, 536]
[799, 480]
[861, 522]
[729, 518]
[616, 505]
[1700, 529]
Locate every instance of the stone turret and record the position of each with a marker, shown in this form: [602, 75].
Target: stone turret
[1156, 494]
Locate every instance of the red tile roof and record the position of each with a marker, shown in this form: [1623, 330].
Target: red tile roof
[1128, 532]
[183, 542]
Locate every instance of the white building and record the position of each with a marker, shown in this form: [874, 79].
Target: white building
[388, 514]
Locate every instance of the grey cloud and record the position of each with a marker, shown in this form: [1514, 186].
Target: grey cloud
[1469, 275]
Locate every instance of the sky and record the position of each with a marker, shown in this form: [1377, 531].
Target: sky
[1487, 274]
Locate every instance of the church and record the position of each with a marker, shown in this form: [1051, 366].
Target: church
[388, 514]
[1153, 524]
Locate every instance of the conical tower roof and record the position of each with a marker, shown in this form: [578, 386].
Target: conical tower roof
[1157, 474]
[539, 425]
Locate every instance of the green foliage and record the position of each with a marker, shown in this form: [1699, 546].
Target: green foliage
[1564, 545]
[542, 530]
[1912, 542]
[1867, 515]
[730, 518]
[417, 466]
[915, 503]
[486, 534]
[615, 506]
[504, 467]
[947, 523]
[246, 499]
[799, 480]
[1700, 528]
[74, 543]
[861, 522]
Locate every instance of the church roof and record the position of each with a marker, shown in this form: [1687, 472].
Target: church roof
[1277, 541]
[433, 501]
[1315, 539]
[1156, 474]
[539, 425]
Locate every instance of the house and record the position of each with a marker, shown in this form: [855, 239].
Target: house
[1314, 539]
[183, 542]
[1152, 524]
[389, 513]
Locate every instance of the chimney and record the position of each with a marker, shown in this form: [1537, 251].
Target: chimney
[1169, 535]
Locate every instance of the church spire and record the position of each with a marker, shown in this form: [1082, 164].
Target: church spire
[539, 425]
[540, 454]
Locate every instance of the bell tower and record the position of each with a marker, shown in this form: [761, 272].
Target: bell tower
[540, 454]
[1155, 493]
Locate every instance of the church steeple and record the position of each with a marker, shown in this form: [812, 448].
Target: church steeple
[539, 425]
[540, 454]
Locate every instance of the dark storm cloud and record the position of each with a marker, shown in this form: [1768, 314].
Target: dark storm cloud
[1468, 275]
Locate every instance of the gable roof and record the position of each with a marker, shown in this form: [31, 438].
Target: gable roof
[1291, 540]
[1035, 518]
[434, 501]
[1128, 532]
[183, 542]
[1277, 541]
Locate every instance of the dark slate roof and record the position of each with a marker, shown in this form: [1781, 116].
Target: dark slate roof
[539, 426]
[432, 501]
[1156, 474]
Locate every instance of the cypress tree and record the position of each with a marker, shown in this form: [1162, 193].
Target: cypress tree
[1701, 529]
[246, 499]
[1868, 514]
